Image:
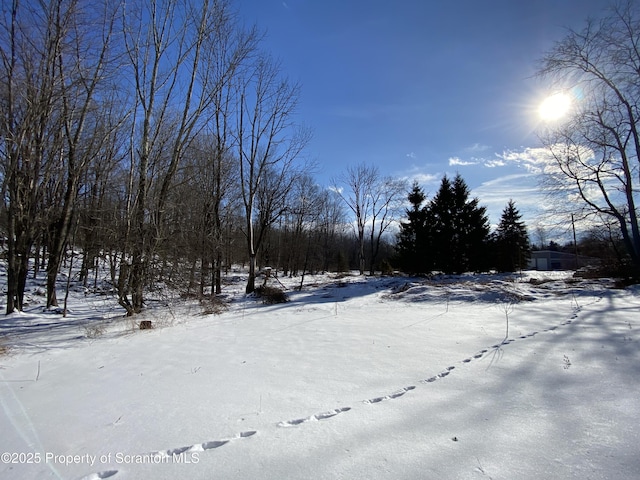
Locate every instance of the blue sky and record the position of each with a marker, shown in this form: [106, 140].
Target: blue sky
[423, 88]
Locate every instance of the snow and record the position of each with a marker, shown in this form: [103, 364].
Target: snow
[355, 378]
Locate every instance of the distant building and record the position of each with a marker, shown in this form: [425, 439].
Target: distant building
[552, 260]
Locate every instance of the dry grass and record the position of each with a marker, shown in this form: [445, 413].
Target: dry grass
[94, 330]
[271, 295]
[213, 305]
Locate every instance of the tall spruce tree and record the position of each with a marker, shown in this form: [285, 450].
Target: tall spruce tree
[457, 227]
[440, 227]
[511, 241]
[411, 249]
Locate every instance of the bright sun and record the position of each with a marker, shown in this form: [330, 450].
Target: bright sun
[554, 106]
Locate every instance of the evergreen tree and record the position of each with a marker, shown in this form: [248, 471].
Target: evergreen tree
[410, 247]
[457, 227]
[440, 227]
[512, 248]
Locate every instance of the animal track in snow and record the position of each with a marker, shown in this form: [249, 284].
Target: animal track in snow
[213, 444]
[100, 475]
[443, 374]
[481, 353]
[198, 447]
[202, 447]
[316, 417]
[391, 396]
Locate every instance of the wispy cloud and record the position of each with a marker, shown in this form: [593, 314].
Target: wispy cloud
[426, 178]
[412, 155]
[534, 160]
[423, 179]
[494, 163]
[477, 148]
[457, 161]
[523, 188]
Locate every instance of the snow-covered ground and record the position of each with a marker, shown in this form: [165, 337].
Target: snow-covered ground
[353, 378]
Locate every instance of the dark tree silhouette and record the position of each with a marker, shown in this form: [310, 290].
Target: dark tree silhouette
[511, 241]
[458, 228]
[412, 253]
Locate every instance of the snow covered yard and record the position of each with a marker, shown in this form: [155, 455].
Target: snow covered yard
[354, 377]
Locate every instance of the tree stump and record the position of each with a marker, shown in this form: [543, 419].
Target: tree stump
[145, 325]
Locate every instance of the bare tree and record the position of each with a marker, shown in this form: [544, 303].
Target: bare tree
[102, 185]
[81, 68]
[267, 145]
[228, 56]
[164, 42]
[30, 42]
[332, 226]
[356, 188]
[386, 207]
[205, 186]
[597, 152]
[300, 222]
[375, 202]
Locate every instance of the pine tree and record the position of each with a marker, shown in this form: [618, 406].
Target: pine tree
[410, 247]
[440, 227]
[458, 228]
[512, 248]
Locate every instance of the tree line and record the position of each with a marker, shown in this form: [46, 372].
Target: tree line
[451, 234]
[159, 136]
[151, 133]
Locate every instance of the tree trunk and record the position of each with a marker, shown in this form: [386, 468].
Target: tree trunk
[251, 282]
[361, 256]
[217, 272]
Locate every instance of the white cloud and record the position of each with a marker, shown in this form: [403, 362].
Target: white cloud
[457, 161]
[522, 188]
[494, 163]
[423, 178]
[411, 155]
[534, 160]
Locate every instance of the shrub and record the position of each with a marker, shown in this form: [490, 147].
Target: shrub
[94, 330]
[271, 295]
[385, 267]
[213, 305]
[624, 273]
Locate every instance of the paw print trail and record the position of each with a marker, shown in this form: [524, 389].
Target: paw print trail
[171, 452]
[391, 396]
[215, 444]
[496, 347]
[314, 418]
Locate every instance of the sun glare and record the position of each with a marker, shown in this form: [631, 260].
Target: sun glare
[554, 107]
